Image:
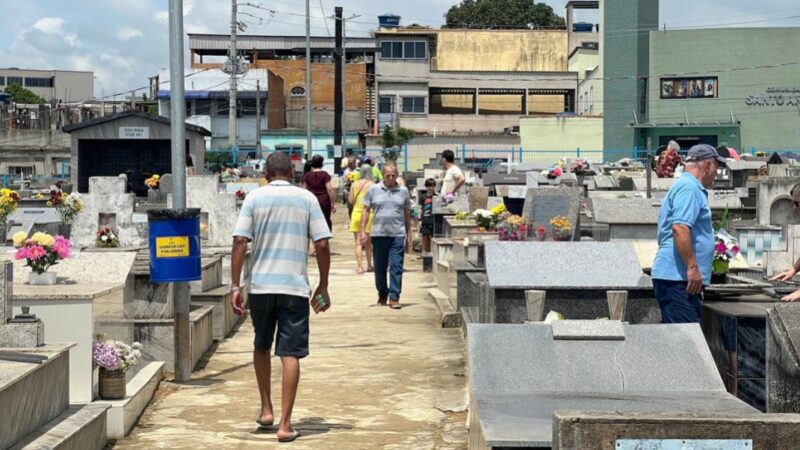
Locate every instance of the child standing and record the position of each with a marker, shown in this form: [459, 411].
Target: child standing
[426, 226]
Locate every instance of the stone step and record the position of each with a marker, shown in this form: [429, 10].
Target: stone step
[80, 427]
[449, 316]
[224, 319]
[32, 393]
[123, 414]
[157, 336]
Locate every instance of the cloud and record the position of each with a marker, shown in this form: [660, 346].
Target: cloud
[162, 16]
[128, 33]
[49, 25]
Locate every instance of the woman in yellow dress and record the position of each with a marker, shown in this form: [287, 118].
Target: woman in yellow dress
[358, 190]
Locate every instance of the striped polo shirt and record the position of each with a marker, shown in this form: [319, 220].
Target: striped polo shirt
[390, 207]
[279, 218]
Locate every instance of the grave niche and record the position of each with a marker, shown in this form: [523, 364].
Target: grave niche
[782, 212]
[203, 229]
[106, 220]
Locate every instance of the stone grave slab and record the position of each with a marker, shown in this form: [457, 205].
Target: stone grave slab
[517, 192]
[107, 197]
[217, 209]
[532, 179]
[655, 368]
[656, 184]
[165, 184]
[501, 190]
[543, 204]
[31, 220]
[477, 197]
[493, 179]
[626, 218]
[246, 187]
[783, 358]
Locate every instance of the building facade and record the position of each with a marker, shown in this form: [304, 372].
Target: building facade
[66, 86]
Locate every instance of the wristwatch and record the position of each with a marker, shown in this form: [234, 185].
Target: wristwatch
[235, 289]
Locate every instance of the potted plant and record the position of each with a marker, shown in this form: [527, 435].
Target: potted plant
[8, 204]
[562, 228]
[41, 252]
[107, 237]
[580, 167]
[726, 249]
[114, 358]
[67, 205]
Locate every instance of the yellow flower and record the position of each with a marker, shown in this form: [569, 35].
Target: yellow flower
[156, 177]
[19, 238]
[43, 239]
[203, 228]
[499, 209]
[39, 196]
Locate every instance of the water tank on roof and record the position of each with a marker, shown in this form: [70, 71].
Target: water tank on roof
[389, 21]
[582, 27]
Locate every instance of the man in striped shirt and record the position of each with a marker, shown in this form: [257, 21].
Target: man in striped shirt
[279, 219]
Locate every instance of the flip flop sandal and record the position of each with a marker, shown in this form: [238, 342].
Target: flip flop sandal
[264, 425]
[295, 435]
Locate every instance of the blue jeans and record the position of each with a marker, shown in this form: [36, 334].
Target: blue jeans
[387, 255]
[677, 305]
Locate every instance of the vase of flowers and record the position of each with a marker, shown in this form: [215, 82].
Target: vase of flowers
[726, 248]
[562, 228]
[153, 182]
[541, 233]
[553, 172]
[580, 167]
[240, 195]
[486, 219]
[107, 237]
[68, 206]
[512, 228]
[8, 204]
[41, 252]
[114, 358]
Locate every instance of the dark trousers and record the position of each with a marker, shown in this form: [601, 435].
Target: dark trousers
[677, 305]
[387, 255]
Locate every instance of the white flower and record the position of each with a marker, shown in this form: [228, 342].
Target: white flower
[104, 238]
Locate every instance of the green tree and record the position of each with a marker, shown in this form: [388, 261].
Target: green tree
[503, 14]
[21, 95]
[390, 140]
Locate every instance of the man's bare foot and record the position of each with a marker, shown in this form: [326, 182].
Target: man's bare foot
[287, 435]
[359, 271]
[370, 269]
[266, 417]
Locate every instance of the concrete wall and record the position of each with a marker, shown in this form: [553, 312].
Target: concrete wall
[68, 86]
[293, 73]
[582, 60]
[591, 87]
[561, 133]
[458, 122]
[43, 150]
[714, 51]
[501, 50]
[422, 148]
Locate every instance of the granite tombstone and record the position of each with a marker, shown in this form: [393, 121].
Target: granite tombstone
[543, 204]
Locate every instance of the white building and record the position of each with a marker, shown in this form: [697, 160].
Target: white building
[67, 86]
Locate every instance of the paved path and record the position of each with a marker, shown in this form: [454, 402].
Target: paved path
[376, 378]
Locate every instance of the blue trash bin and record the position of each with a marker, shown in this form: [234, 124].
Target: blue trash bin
[174, 245]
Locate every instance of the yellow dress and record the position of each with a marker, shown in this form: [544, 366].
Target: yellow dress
[358, 211]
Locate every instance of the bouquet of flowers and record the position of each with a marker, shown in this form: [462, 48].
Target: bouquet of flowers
[448, 198]
[153, 181]
[42, 250]
[107, 237]
[562, 228]
[8, 203]
[68, 206]
[203, 228]
[241, 194]
[462, 215]
[115, 356]
[512, 228]
[541, 233]
[726, 248]
[580, 167]
[487, 219]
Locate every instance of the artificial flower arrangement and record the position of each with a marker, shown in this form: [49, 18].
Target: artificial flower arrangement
[512, 228]
[107, 237]
[241, 194]
[562, 228]
[8, 203]
[462, 215]
[68, 206]
[580, 167]
[115, 356]
[42, 250]
[541, 233]
[726, 248]
[203, 228]
[553, 172]
[153, 181]
[487, 219]
[448, 198]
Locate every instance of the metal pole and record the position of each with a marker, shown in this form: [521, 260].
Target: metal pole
[338, 57]
[258, 118]
[649, 168]
[180, 291]
[234, 67]
[308, 80]
[344, 87]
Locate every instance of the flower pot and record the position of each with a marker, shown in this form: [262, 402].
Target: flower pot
[112, 385]
[719, 278]
[564, 235]
[541, 237]
[42, 279]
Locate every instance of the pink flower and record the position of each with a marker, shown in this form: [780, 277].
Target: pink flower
[735, 250]
[62, 247]
[557, 171]
[721, 248]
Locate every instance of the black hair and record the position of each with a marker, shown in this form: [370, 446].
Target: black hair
[430, 182]
[448, 156]
[316, 161]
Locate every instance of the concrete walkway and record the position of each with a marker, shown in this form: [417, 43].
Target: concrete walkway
[376, 378]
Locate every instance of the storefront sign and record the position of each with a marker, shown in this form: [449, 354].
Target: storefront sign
[776, 96]
[689, 88]
[134, 132]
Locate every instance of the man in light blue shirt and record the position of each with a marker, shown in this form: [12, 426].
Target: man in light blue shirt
[686, 239]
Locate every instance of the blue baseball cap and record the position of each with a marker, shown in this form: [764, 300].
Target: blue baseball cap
[701, 152]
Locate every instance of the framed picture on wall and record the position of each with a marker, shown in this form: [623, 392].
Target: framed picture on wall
[672, 88]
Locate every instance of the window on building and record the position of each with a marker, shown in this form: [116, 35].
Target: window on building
[414, 105]
[298, 91]
[386, 104]
[404, 50]
[15, 80]
[37, 82]
[23, 171]
[2, 81]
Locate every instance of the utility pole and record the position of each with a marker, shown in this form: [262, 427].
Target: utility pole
[338, 57]
[180, 290]
[258, 117]
[308, 81]
[234, 68]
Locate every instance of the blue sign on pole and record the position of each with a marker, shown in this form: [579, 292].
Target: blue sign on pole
[684, 444]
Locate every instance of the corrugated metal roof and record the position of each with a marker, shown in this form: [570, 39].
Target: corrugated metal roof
[254, 42]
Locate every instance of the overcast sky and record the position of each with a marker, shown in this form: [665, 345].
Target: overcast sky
[125, 41]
